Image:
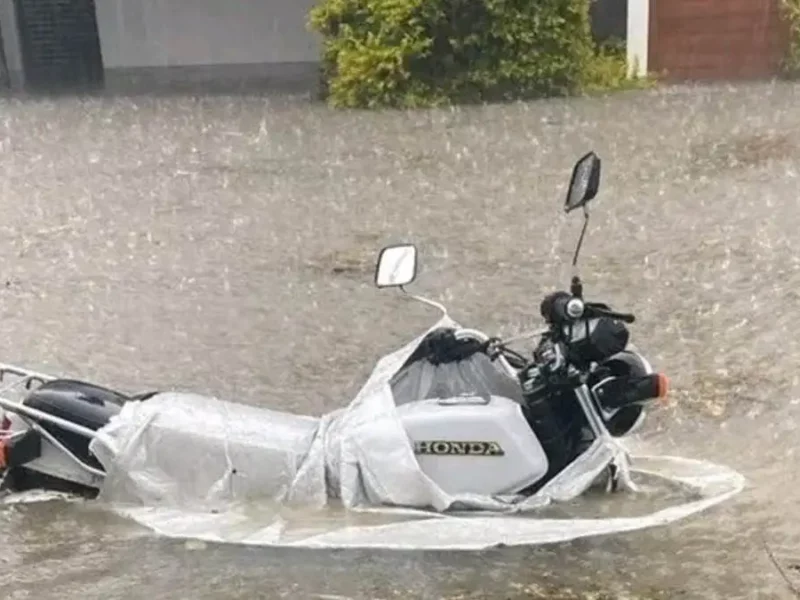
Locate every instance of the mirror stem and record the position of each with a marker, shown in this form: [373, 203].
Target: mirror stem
[432, 303]
[576, 288]
[580, 239]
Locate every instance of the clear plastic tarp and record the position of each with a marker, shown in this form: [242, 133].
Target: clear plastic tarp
[191, 466]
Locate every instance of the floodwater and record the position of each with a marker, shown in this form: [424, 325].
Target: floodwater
[226, 246]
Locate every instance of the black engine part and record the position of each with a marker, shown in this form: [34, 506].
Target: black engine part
[550, 411]
[23, 449]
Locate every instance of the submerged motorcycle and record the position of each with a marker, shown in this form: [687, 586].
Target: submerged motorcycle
[478, 417]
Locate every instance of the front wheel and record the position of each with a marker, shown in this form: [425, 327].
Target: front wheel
[622, 387]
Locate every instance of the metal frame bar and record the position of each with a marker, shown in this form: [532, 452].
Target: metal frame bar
[25, 373]
[38, 415]
[59, 446]
[32, 413]
[34, 418]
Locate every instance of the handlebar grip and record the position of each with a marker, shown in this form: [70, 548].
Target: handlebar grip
[561, 307]
[601, 310]
[626, 317]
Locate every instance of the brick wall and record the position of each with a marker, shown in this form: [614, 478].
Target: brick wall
[716, 39]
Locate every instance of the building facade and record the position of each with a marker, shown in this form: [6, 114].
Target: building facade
[135, 43]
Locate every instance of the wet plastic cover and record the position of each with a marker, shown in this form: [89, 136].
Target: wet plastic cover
[192, 466]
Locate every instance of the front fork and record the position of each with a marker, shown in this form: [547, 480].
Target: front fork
[619, 467]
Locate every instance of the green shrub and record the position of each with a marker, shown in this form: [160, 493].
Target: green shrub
[791, 62]
[410, 53]
[608, 70]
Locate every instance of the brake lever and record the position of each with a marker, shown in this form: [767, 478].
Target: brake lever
[493, 348]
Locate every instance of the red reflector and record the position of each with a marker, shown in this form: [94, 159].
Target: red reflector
[5, 423]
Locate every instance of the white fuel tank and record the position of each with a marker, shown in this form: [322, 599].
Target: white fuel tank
[469, 444]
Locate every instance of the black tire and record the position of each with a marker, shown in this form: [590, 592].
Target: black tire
[624, 364]
[21, 479]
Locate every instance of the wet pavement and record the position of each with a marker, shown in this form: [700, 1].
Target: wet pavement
[226, 246]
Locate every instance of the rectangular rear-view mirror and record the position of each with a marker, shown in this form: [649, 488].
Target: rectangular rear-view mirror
[397, 266]
[585, 182]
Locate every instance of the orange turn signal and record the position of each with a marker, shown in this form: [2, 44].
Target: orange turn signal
[663, 387]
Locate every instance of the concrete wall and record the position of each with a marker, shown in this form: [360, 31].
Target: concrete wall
[8, 23]
[638, 38]
[219, 43]
[159, 33]
[208, 44]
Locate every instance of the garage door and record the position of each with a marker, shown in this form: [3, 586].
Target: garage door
[60, 43]
[716, 39]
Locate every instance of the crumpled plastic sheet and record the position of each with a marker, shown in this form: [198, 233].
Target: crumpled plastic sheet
[190, 466]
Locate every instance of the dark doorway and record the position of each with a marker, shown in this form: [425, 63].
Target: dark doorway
[60, 44]
[609, 20]
[5, 76]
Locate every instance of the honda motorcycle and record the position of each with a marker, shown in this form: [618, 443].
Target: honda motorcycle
[479, 417]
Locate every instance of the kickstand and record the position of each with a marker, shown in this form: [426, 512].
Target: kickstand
[619, 475]
[612, 484]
